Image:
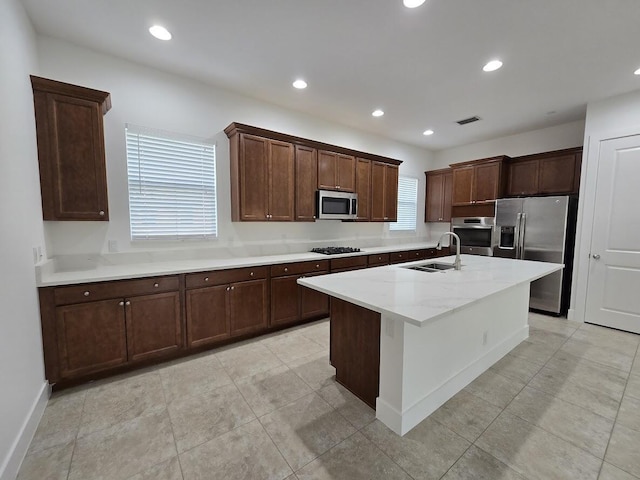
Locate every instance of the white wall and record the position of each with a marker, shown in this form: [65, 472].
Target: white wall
[609, 118]
[21, 365]
[567, 135]
[148, 97]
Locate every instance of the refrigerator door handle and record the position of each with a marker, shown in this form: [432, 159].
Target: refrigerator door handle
[516, 236]
[523, 226]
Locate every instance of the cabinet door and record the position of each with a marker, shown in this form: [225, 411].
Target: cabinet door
[346, 173]
[523, 178]
[285, 306]
[391, 193]
[558, 175]
[377, 191]
[154, 326]
[327, 170]
[91, 337]
[254, 182]
[207, 315]
[462, 186]
[363, 188]
[434, 198]
[281, 181]
[486, 183]
[313, 303]
[74, 181]
[446, 196]
[248, 306]
[306, 183]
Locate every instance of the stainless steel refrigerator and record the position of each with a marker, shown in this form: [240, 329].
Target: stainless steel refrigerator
[540, 229]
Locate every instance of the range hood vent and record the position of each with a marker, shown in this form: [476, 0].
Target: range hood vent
[464, 121]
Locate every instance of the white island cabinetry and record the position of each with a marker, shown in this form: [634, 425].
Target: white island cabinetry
[438, 331]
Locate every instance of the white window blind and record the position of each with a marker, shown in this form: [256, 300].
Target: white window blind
[172, 185]
[407, 204]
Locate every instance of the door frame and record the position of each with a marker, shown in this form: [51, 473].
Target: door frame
[586, 211]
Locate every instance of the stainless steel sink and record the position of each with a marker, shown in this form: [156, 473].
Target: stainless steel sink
[432, 267]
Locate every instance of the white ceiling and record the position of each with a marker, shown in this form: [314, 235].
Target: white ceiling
[423, 67]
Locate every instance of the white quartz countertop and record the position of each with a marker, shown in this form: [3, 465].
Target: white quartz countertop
[48, 275]
[420, 297]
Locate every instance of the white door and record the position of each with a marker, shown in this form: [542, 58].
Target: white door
[613, 291]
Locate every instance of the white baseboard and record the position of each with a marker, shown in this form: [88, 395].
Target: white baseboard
[402, 422]
[15, 456]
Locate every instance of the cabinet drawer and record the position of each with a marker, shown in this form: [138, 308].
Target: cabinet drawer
[299, 268]
[423, 253]
[90, 292]
[379, 259]
[399, 257]
[222, 277]
[348, 263]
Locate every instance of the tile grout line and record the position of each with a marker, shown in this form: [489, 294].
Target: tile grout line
[75, 440]
[173, 433]
[615, 422]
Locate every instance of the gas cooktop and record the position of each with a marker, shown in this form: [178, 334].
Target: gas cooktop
[334, 250]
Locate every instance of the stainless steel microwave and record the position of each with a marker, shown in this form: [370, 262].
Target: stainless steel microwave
[477, 234]
[332, 205]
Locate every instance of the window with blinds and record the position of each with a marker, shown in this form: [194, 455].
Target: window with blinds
[172, 185]
[407, 204]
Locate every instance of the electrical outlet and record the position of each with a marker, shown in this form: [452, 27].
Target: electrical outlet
[113, 246]
[484, 337]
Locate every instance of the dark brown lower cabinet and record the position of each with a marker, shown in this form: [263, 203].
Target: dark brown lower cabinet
[154, 326]
[355, 349]
[207, 315]
[248, 306]
[91, 337]
[313, 303]
[285, 305]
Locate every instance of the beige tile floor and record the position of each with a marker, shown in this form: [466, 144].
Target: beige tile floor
[565, 404]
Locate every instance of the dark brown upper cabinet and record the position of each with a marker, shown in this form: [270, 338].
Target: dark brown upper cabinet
[262, 179]
[438, 196]
[306, 183]
[548, 173]
[71, 152]
[384, 192]
[336, 171]
[275, 176]
[478, 181]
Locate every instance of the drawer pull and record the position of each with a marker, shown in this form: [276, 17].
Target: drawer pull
[156, 285]
[251, 274]
[206, 279]
[101, 213]
[232, 287]
[228, 288]
[86, 294]
[286, 269]
[127, 302]
[121, 304]
[317, 266]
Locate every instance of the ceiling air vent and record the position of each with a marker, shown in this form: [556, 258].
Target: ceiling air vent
[464, 121]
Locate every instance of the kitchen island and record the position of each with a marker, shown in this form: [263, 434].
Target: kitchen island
[405, 341]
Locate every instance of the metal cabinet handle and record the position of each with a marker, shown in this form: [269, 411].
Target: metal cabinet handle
[317, 266]
[286, 269]
[206, 279]
[101, 213]
[251, 274]
[86, 294]
[121, 304]
[596, 256]
[232, 287]
[127, 302]
[156, 285]
[228, 288]
[314, 217]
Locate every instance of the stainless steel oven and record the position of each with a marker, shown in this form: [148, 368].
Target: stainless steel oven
[477, 234]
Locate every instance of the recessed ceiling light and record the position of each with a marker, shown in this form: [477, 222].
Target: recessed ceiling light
[160, 32]
[300, 84]
[412, 3]
[428, 132]
[637, 72]
[377, 113]
[492, 66]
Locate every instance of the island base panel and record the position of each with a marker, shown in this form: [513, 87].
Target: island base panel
[355, 349]
[423, 367]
